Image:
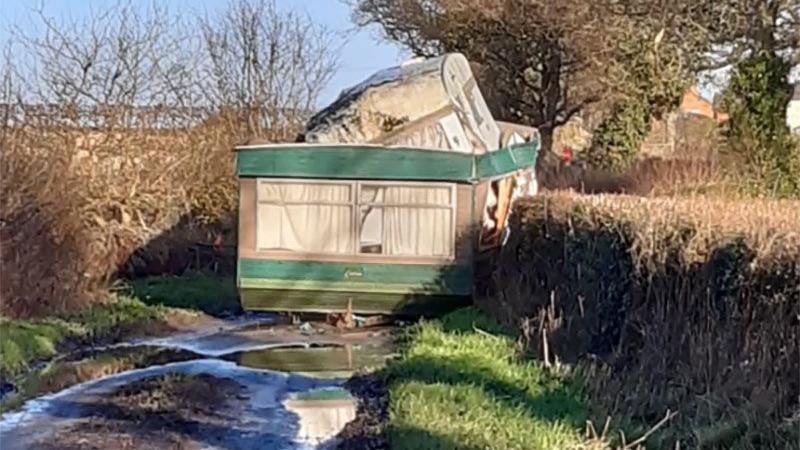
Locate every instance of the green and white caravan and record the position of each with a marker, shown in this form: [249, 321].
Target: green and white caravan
[376, 224]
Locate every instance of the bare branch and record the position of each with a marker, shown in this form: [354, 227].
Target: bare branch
[267, 65]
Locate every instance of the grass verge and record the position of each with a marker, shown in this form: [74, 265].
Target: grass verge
[460, 383]
[23, 342]
[147, 309]
[211, 294]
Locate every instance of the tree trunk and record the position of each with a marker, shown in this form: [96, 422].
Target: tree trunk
[545, 150]
[552, 103]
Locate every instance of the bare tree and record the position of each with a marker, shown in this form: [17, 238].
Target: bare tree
[721, 32]
[541, 62]
[536, 58]
[111, 62]
[9, 94]
[741, 28]
[117, 139]
[267, 66]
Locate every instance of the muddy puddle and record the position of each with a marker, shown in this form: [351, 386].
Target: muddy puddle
[315, 360]
[88, 366]
[254, 386]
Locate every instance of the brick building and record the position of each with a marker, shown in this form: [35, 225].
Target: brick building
[689, 127]
[694, 103]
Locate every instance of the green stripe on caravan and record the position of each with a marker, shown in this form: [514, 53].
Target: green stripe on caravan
[355, 277]
[376, 162]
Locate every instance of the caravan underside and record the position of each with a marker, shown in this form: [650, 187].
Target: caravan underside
[369, 288]
[362, 302]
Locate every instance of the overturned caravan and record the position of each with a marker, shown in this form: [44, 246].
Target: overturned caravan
[389, 201]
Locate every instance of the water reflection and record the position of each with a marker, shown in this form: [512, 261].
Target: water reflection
[90, 365]
[316, 360]
[322, 413]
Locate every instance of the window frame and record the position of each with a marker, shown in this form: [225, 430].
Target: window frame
[355, 206]
[259, 201]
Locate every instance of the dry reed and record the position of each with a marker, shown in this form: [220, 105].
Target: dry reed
[688, 304]
[79, 205]
[116, 136]
[651, 176]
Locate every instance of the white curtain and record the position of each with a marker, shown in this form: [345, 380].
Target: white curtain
[313, 228]
[417, 231]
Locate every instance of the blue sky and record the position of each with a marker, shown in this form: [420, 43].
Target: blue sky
[363, 51]
[362, 54]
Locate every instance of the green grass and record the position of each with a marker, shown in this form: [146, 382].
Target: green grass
[23, 342]
[455, 387]
[210, 294]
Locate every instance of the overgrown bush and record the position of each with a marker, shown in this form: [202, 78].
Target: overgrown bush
[76, 206]
[652, 78]
[687, 304]
[756, 98]
[616, 141]
[117, 143]
[43, 245]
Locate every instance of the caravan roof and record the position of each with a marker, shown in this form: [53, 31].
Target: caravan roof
[356, 161]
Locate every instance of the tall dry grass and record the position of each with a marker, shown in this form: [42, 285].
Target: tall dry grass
[648, 176]
[81, 206]
[688, 303]
[78, 205]
[117, 137]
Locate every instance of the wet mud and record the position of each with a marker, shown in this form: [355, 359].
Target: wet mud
[174, 411]
[88, 366]
[367, 431]
[250, 385]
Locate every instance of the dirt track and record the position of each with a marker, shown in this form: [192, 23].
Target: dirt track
[172, 411]
[253, 385]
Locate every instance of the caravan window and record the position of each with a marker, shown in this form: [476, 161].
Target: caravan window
[349, 218]
[403, 220]
[305, 217]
